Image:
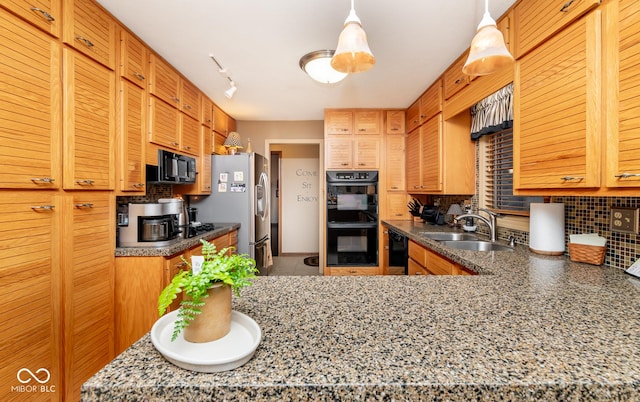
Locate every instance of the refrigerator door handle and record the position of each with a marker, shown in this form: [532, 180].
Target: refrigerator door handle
[262, 240]
[262, 196]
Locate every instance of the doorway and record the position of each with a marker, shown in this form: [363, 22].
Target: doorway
[297, 188]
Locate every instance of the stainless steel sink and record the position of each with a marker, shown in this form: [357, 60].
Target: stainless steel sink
[476, 245]
[443, 236]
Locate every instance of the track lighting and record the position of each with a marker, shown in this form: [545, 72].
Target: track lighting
[232, 90]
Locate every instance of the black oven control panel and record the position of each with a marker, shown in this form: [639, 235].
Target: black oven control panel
[353, 176]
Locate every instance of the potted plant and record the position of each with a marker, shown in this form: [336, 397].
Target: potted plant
[205, 310]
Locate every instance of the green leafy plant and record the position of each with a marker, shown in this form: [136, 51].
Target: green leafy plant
[235, 270]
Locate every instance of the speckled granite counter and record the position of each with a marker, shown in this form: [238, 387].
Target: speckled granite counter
[531, 328]
[178, 247]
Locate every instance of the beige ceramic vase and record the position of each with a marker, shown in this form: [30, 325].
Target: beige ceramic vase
[215, 320]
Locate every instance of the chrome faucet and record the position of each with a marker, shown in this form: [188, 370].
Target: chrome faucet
[491, 222]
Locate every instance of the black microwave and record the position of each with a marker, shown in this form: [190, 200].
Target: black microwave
[172, 169]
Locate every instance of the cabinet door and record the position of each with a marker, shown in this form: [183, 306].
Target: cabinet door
[164, 81]
[164, 124]
[367, 153]
[218, 144]
[431, 151]
[46, 14]
[89, 124]
[131, 137]
[172, 266]
[397, 206]
[557, 133]
[338, 122]
[367, 122]
[30, 291]
[454, 79]
[413, 116]
[203, 179]
[395, 122]
[206, 112]
[395, 163]
[134, 59]
[537, 20]
[30, 155]
[431, 101]
[220, 123]
[414, 268]
[190, 99]
[90, 30]
[339, 153]
[190, 139]
[88, 278]
[413, 161]
[438, 265]
[623, 144]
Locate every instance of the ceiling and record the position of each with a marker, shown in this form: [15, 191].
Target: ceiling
[260, 43]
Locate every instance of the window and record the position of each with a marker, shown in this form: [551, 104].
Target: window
[497, 176]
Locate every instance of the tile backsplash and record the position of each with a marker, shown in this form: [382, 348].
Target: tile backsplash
[154, 193]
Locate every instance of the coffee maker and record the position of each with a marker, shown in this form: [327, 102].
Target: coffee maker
[148, 225]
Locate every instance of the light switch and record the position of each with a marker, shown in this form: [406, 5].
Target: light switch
[624, 219]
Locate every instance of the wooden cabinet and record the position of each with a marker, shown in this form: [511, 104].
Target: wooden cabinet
[424, 157]
[394, 122]
[89, 124]
[190, 136]
[352, 271]
[206, 111]
[338, 122]
[454, 79]
[367, 153]
[413, 268]
[423, 261]
[90, 30]
[134, 59]
[138, 283]
[426, 106]
[131, 139]
[339, 153]
[164, 81]
[190, 99]
[535, 21]
[203, 179]
[30, 155]
[395, 163]
[367, 121]
[218, 144]
[396, 206]
[622, 50]
[30, 292]
[164, 124]
[557, 115]
[88, 286]
[46, 14]
[220, 121]
[347, 153]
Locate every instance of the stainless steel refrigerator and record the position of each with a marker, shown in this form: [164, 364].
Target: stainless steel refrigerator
[240, 193]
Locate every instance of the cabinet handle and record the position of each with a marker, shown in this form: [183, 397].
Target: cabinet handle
[459, 81]
[394, 187]
[187, 147]
[362, 164]
[181, 264]
[175, 99]
[344, 164]
[43, 207]
[362, 129]
[84, 40]
[395, 129]
[627, 175]
[566, 6]
[175, 144]
[352, 271]
[422, 116]
[418, 273]
[398, 214]
[139, 76]
[46, 180]
[45, 14]
[569, 178]
[187, 107]
[85, 205]
[86, 182]
[138, 185]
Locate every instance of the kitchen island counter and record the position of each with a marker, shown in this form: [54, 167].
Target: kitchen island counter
[529, 327]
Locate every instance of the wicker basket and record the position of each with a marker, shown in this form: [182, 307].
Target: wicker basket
[585, 253]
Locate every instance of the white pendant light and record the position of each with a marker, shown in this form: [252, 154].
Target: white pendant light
[317, 65]
[487, 53]
[352, 53]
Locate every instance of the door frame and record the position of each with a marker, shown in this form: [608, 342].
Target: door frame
[321, 187]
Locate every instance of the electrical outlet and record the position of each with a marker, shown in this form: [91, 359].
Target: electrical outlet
[624, 219]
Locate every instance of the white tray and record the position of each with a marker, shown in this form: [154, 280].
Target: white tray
[227, 353]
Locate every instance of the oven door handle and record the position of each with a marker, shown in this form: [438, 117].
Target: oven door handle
[353, 183]
[351, 225]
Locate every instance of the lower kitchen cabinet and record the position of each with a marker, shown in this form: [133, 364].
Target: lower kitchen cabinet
[423, 261]
[352, 271]
[138, 283]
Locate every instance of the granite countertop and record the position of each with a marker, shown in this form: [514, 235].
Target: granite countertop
[178, 247]
[528, 328]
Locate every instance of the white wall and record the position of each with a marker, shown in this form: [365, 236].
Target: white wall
[299, 192]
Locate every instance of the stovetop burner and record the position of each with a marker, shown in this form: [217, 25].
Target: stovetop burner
[195, 230]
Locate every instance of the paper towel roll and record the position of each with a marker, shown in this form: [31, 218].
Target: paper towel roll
[546, 228]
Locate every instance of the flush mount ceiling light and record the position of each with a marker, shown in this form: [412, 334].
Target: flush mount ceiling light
[232, 90]
[487, 53]
[352, 53]
[317, 65]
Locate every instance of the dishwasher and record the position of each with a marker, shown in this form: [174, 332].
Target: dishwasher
[398, 250]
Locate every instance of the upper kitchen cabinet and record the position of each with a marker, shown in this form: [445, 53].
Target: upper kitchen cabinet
[338, 121]
[220, 121]
[454, 80]
[131, 137]
[46, 14]
[190, 136]
[352, 138]
[367, 121]
[190, 99]
[164, 124]
[89, 124]
[134, 59]
[426, 106]
[206, 111]
[557, 110]
[164, 81]
[203, 178]
[90, 30]
[622, 53]
[30, 156]
[535, 21]
[394, 122]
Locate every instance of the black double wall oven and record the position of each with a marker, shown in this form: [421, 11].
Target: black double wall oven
[352, 218]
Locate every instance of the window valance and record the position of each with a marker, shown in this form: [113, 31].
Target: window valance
[492, 114]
